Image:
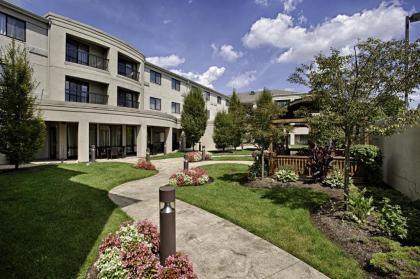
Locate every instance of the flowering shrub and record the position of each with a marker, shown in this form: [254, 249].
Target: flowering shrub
[145, 165]
[139, 261]
[150, 233]
[132, 252]
[177, 266]
[286, 175]
[191, 177]
[196, 156]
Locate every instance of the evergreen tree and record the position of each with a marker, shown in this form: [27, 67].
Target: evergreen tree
[22, 131]
[223, 127]
[237, 114]
[194, 116]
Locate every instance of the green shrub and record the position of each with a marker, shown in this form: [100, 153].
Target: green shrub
[360, 206]
[370, 158]
[401, 262]
[255, 169]
[335, 180]
[391, 220]
[286, 175]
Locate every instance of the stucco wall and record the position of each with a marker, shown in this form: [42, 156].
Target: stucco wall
[401, 161]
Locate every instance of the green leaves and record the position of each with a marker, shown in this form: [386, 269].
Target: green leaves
[223, 130]
[22, 131]
[194, 115]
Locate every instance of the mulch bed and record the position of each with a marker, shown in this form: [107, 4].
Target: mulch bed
[335, 222]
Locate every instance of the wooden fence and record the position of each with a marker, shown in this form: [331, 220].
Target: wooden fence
[299, 164]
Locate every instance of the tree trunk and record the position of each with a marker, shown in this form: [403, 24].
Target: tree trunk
[262, 162]
[16, 166]
[347, 168]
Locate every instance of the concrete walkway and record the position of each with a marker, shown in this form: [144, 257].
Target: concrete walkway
[218, 248]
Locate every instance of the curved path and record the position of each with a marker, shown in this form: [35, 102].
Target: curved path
[218, 248]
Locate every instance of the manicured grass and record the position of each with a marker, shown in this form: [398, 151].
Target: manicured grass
[233, 158]
[280, 216]
[178, 154]
[54, 217]
[233, 152]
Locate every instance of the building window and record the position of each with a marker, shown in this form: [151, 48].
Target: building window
[208, 114]
[155, 77]
[207, 96]
[155, 103]
[301, 139]
[127, 99]
[12, 27]
[283, 103]
[77, 52]
[127, 68]
[77, 91]
[227, 103]
[176, 108]
[219, 100]
[176, 84]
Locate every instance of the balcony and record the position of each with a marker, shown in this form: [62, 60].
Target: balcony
[132, 75]
[86, 97]
[128, 67]
[86, 58]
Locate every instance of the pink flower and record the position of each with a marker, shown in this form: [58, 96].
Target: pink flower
[140, 262]
[150, 232]
[177, 266]
[112, 240]
[143, 164]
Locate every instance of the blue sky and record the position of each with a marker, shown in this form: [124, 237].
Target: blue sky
[247, 44]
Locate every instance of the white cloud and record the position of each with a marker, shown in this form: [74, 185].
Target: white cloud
[302, 19]
[167, 21]
[242, 80]
[301, 44]
[212, 74]
[261, 2]
[166, 61]
[290, 5]
[227, 52]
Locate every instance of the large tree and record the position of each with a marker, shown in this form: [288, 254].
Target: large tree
[22, 131]
[194, 116]
[237, 114]
[260, 126]
[363, 91]
[223, 130]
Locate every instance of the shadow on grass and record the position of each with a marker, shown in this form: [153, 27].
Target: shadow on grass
[232, 177]
[297, 198]
[48, 222]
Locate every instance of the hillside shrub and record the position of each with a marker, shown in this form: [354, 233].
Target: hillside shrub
[370, 158]
[145, 165]
[286, 175]
[335, 180]
[392, 221]
[191, 177]
[360, 206]
[196, 156]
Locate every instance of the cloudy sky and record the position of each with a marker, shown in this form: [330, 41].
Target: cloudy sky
[246, 44]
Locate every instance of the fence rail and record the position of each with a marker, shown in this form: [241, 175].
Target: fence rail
[299, 164]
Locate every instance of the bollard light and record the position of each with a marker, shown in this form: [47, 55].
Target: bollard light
[92, 154]
[203, 153]
[199, 146]
[167, 222]
[186, 162]
[148, 154]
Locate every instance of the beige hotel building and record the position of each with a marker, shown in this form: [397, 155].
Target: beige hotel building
[95, 89]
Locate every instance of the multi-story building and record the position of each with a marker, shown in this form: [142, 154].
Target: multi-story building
[95, 89]
[290, 100]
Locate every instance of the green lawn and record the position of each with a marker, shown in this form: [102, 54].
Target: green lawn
[233, 158]
[280, 216]
[178, 154]
[233, 152]
[53, 217]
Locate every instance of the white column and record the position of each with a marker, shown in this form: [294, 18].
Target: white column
[83, 142]
[292, 139]
[141, 140]
[168, 140]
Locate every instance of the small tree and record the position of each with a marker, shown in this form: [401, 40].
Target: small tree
[22, 131]
[237, 113]
[362, 91]
[223, 127]
[194, 116]
[261, 129]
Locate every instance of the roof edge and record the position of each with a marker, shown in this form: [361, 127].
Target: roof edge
[24, 11]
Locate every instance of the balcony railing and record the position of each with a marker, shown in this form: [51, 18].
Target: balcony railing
[132, 75]
[128, 104]
[89, 97]
[86, 58]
